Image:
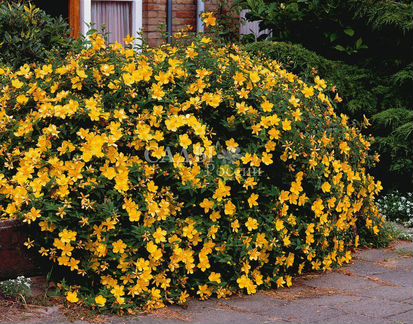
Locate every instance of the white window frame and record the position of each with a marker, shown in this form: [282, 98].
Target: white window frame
[251, 27]
[86, 15]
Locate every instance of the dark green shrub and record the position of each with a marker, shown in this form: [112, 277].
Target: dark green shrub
[28, 34]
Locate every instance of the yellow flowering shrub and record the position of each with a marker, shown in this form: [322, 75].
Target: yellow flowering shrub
[183, 170]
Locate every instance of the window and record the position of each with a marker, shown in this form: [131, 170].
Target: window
[120, 18]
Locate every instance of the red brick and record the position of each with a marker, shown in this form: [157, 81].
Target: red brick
[184, 14]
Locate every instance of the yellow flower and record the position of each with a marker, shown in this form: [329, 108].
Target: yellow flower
[73, 264]
[287, 241]
[129, 39]
[152, 187]
[295, 102]
[29, 243]
[337, 98]
[206, 40]
[121, 180]
[128, 79]
[119, 246]
[289, 262]
[231, 145]
[289, 281]
[209, 19]
[251, 224]
[108, 172]
[22, 99]
[153, 249]
[286, 125]
[17, 83]
[267, 158]
[222, 191]
[296, 188]
[239, 79]
[204, 292]
[344, 148]
[317, 207]
[66, 236]
[215, 216]
[32, 215]
[245, 282]
[185, 141]
[207, 205]
[308, 91]
[213, 100]
[280, 282]
[279, 224]
[100, 300]
[297, 114]
[159, 235]
[267, 106]
[321, 84]
[230, 208]
[254, 77]
[118, 291]
[215, 277]
[252, 200]
[326, 187]
[72, 297]
[157, 91]
[235, 226]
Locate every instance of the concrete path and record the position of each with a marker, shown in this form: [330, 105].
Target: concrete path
[376, 288]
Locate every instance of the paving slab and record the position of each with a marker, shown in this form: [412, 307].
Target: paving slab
[375, 308]
[401, 278]
[397, 294]
[342, 282]
[357, 319]
[364, 268]
[402, 318]
[375, 255]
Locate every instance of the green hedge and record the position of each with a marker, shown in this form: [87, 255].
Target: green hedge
[29, 35]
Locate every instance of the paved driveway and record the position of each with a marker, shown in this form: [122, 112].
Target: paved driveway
[376, 288]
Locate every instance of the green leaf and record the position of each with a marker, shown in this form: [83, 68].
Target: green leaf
[340, 48]
[349, 31]
[359, 42]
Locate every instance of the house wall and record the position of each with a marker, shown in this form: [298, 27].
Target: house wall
[184, 13]
[155, 17]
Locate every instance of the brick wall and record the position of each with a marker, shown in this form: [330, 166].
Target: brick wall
[212, 5]
[154, 17]
[183, 11]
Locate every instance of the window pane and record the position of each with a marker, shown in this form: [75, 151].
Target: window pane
[115, 16]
